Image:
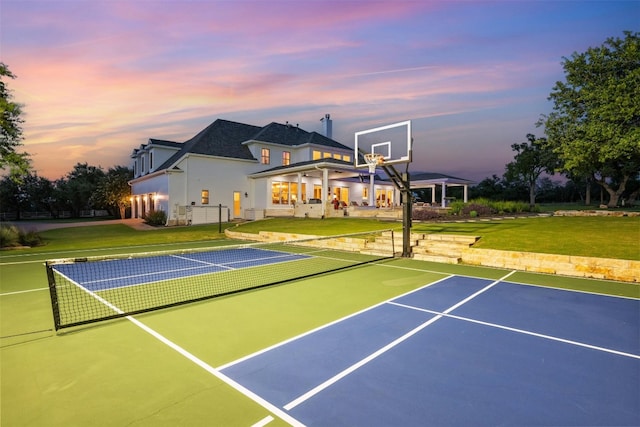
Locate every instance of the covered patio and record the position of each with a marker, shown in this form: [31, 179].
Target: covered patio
[431, 180]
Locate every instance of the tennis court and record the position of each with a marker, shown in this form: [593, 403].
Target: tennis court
[386, 342]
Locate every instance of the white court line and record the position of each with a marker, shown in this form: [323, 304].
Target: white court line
[319, 328]
[263, 422]
[386, 348]
[522, 331]
[213, 371]
[23, 292]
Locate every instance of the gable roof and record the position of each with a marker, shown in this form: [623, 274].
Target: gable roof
[290, 135]
[224, 138]
[153, 141]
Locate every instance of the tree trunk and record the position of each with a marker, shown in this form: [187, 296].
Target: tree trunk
[614, 195]
[587, 197]
[532, 195]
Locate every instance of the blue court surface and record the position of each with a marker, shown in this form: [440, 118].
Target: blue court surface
[118, 273]
[460, 352]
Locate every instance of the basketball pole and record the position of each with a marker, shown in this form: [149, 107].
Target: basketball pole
[403, 183]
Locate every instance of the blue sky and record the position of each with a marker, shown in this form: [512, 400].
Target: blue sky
[98, 78]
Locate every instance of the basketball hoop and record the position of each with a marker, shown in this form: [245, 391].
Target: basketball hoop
[373, 160]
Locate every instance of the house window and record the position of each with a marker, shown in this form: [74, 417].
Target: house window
[316, 155]
[326, 155]
[317, 191]
[204, 197]
[280, 193]
[150, 161]
[286, 193]
[141, 164]
[266, 156]
[346, 158]
[337, 156]
[286, 158]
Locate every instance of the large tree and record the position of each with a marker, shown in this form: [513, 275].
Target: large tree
[77, 190]
[10, 126]
[595, 123]
[114, 192]
[532, 158]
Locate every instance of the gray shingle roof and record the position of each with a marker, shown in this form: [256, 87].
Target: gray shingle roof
[221, 138]
[293, 135]
[224, 138]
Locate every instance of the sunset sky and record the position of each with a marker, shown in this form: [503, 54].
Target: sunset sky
[100, 77]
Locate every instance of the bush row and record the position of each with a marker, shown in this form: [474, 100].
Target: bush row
[156, 218]
[474, 208]
[11, 237]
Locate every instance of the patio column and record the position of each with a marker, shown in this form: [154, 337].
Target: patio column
[433, 194]
[464, 189]
[325, 190]
[444, 194]
[299, 195]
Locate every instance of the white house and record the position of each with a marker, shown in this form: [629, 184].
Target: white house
[234, 170]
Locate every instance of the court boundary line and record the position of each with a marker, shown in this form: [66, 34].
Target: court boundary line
[304, 397]
[521, 331]
[323, 326]
[106, 249]
[525, 283]
[23, 292]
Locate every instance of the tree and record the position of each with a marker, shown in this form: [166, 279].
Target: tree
[10, 126]
[76, 191]
[595, 123]
[531, 160]
[489, 188]
[113, 191]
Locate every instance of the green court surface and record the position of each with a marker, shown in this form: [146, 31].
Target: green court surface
[158, 368]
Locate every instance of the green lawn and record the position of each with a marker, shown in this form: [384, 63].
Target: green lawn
[602, 237]
[607, 237]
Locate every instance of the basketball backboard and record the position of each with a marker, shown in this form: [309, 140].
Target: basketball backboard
[392, 142]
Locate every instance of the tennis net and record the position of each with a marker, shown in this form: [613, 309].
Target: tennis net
[87, 290]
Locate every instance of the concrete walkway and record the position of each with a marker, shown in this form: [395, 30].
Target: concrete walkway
[37, 226]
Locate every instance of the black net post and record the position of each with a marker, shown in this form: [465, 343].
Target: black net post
[54, 296]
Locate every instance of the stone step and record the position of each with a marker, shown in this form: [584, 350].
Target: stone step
[454, 252]
[398, 235]
[437, 258]
[470, 240]
[436, 245]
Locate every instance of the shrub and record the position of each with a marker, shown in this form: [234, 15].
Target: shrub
[455, 208]
[479, 209]
[425, 215]
[31, 238]
[9, 236]
[156, 218]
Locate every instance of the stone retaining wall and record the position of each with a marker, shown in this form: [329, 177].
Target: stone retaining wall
[565, 265]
